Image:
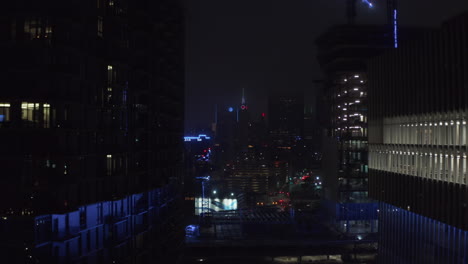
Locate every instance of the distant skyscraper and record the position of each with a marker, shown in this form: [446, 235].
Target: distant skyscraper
[244, 123]
[286, 129]
[243, 141]
[418, 101]
[91, 129]
[343, 51]
[226, 132]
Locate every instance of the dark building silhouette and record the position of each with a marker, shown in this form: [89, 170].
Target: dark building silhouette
[91, 128]
[226, 134]
[286, 130]
[418, 101]
[343, 51]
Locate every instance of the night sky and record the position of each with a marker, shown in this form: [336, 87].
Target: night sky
[263, 45]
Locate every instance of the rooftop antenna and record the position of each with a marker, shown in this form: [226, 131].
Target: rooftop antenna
[243, 96]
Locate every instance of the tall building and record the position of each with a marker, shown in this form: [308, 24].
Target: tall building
[418, 101]
[286, 132]
[343, 51]
[91, 128]
[226, 133]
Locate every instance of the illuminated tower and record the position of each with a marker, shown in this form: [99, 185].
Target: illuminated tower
[343, 51]
[243, 124]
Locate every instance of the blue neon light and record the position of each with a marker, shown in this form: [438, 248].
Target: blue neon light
[395, 28]
[200, 137]
[368, 3]
[230, 109]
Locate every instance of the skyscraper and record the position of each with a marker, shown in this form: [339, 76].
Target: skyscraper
[91, 126]
[343, 51]
[286, 130]
[418, 101]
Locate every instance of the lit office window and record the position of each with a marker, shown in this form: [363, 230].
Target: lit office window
[109, 164]
[4, 112]
[110, 74]
[46, 115]
[35, 114]
[30, 112]
[110, 80]
[37, 28]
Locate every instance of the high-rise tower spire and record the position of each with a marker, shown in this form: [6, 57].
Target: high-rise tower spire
[243, 96]
[243, 103]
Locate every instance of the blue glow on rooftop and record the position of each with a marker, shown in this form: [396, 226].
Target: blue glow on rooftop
[368, 3]
[200, 137]
[230, 109]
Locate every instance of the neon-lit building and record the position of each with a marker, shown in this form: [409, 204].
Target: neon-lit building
[91, 127]
[418, 101]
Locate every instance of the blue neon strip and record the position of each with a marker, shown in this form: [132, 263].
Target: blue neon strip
[199, 138]
[395, 28]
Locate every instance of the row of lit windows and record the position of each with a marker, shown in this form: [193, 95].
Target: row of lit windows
[32, 114]
[353, 131]
[352, 118]
[355, 144]
[350, 78]
[354, 92]
[450, 129]
[450, 165]
[40, 28]
[37, 28]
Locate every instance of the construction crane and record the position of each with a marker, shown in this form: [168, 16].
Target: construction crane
[392, 15]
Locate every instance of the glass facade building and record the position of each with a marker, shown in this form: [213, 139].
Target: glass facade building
[91, 114]
[418, 98]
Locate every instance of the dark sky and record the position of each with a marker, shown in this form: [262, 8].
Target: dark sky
[263, 45]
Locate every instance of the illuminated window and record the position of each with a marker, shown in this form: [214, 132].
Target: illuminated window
[30, 112]
[110, 74]
[37, 28]
[110, 81]
[35, 114]
[109, 164]
[46, 115]
[4, 112]
[99, 25]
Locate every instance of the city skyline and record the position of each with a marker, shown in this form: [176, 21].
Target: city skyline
[264, 131]
[269, 45]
